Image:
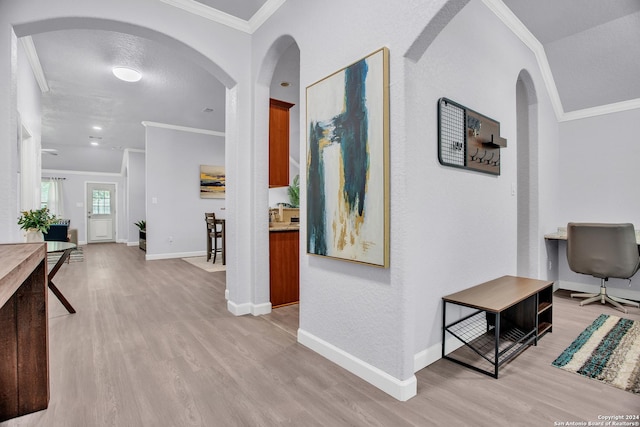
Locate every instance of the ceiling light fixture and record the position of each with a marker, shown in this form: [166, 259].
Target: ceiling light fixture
[127, 74]
[94, 143]
[285, 84]
[97, 128]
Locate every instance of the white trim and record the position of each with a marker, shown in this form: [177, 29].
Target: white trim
[215, 15]
[601, 110]
[294, 162]
[59, 171]
[512, 22]
[133, 243]
[210, 13]
[520, 30]
[432, 354]
[155, 257]
[264, 13]
[247, 308]
[226, 294]
[182, 128]
[402, 390]
[34, 61]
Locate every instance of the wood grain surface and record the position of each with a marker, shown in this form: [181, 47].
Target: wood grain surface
[153, 344]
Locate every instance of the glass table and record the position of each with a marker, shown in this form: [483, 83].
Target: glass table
[65, 248]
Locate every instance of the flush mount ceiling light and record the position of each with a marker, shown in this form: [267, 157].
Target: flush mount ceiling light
[95, 143]
[126, 74]
[285, 84]
[96, 128]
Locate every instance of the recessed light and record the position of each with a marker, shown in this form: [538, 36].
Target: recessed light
[96, 127]
[285, 84]
[126, 74]
[95, 143]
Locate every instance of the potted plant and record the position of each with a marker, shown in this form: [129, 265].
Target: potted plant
[294, 192]
[142, 241]
[36, 222]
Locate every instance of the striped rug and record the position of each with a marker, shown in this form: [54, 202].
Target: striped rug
[608, 351]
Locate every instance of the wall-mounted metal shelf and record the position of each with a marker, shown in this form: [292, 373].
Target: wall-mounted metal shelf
[468, 139]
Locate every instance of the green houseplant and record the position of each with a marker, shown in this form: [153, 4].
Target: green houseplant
[36, 222]
[294, 192]
[40, 219]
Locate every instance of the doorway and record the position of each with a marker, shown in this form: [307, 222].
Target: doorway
[101, 212]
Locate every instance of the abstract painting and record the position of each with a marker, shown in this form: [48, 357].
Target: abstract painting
[212, 182]
[348, 163]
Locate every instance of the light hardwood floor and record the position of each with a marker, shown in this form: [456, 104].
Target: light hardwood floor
[152, 344]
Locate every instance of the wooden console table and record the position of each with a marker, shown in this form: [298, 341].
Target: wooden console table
[510, 313]
[24, 342]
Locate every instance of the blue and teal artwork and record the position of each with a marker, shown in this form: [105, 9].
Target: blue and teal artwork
[347, 163]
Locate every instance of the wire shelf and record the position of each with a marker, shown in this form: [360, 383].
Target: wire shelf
[479, 335]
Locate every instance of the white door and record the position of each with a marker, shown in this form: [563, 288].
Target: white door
[101, 212]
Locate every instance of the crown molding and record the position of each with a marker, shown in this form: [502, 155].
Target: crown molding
[223, 18]
[264, 13]
[182, 128]
[522, 32]
[601, 110]
[72, 172]
[34, 61]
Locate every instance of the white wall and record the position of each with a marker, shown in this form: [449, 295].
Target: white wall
[450, 229]
[599, 183]
[175, 210]
[464, 223]
[361, 317]
[30, 112]
[74, 189]
[135, 196]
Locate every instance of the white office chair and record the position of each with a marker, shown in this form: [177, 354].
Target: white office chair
[603, 251]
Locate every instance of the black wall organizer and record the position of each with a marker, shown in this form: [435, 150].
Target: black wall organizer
[468, 139]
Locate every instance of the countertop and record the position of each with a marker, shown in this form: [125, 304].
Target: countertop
[284, 226]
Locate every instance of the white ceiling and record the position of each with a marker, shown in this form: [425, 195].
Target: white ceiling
[592, 48]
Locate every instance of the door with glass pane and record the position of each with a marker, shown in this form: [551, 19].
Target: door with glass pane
[101, 212]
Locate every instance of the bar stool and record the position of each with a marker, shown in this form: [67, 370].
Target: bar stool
[213, 234]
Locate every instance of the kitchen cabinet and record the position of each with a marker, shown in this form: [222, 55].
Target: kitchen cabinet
[284, 271]
[279, 143]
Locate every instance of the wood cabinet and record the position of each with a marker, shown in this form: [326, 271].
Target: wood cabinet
[279, 143]
[284, 271]
[24, 343]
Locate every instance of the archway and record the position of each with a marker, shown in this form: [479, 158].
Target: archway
[528, 166]
[267, 78]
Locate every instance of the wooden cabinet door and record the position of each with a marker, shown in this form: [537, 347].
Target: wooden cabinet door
[279, 143]
[284, 272]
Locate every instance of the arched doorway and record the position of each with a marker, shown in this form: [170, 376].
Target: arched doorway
[528, 166]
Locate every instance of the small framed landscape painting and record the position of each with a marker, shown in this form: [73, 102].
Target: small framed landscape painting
[212, 182]
[348, 163]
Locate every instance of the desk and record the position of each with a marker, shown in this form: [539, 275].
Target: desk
[65, 248]
[510, 314]
[561, 234]
[24, 340]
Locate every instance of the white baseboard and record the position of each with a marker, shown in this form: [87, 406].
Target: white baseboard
[154, 257]
[226, 294]
[133, 243]
[432, 354]
[631, 294]
[247, 308]
[82, 242]
[402, 390]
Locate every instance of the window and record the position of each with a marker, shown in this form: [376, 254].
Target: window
[101, 202]
[44, 193]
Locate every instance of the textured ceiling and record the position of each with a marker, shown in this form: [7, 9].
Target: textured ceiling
[243, 9]
[592, 47]
[84, 93]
